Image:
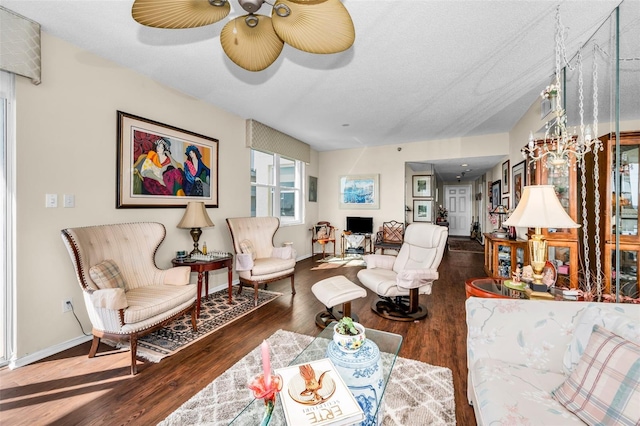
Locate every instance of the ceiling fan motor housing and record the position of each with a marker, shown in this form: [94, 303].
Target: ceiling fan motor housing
[251, 6]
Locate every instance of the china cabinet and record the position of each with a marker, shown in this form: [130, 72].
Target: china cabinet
[502, 256]
[626, 191]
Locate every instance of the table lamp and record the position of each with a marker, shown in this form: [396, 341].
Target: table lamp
[500, 211]
[195, 217]
[539, 208]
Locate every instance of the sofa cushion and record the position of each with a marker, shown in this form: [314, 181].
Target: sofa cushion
[271, 265]
[106, 274]
[247, 248]
[604, 388]
[617, 322]
[149, 301]
[515, 394]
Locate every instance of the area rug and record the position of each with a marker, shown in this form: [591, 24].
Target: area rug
[339, 261]
[417, 393]
[215, 313]
[465, 245]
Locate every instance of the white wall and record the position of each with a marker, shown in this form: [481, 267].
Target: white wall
[66, 144]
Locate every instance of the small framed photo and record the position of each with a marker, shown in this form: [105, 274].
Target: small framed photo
[505, 202]
[422, 210]
[313, 189]
[518, 182]
[505, 177]
[422, 186]
[495, 194]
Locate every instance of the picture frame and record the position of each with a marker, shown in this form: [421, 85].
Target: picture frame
[360, 191]
[505, 202]
[423, 210]
[160, 166]
[422, 186]
[313, 189]
[495, 194]
[505, 177]
[518, 182]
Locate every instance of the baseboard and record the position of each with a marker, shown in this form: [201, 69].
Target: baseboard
[51, 350]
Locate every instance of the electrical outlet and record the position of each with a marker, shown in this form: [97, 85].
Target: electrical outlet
[67, 305]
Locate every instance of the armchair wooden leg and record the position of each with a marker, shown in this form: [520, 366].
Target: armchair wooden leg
[94, 346]
[133, 339]
[293, 287]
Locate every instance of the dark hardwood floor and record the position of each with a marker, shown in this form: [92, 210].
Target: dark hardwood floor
[70, 389]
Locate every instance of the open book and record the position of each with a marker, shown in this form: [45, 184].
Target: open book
[314, 394]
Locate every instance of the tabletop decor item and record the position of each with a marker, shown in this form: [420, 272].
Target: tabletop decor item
[349, 335]
[266, 385]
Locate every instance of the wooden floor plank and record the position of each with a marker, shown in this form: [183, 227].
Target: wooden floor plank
[71, 389]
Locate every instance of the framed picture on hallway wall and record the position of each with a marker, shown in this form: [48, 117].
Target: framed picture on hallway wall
[505, 177]
[163, 166]
[422, 186]
[495, 194]
[518, 182]
[422, 210]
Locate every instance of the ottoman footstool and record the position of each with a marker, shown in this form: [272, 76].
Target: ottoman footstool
[335, 291]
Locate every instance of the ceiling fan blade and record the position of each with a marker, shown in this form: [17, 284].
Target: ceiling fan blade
[324, 27]
[179, 13]
[252, 48]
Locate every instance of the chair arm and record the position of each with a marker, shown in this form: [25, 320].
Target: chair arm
[109, 298]
[282, 252]
[178, 275]
[244, 262]
[413, 278]
[383, 261]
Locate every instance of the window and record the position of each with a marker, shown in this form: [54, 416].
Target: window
[276, 187]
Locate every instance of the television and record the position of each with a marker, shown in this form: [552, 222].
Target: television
[360, 225]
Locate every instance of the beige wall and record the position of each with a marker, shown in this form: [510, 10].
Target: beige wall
[66, 144]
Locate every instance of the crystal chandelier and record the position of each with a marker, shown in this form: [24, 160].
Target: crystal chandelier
[559, 145]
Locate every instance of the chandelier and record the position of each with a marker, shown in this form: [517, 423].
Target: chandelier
[559, 145]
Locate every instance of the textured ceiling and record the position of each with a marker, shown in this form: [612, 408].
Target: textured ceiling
[419, 70]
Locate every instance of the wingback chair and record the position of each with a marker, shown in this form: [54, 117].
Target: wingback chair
[411, 273]
[257, 260]
[125, 293]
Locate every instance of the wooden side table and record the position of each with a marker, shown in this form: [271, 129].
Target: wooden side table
[202, 266]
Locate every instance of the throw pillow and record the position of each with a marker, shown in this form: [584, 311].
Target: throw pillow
[604, 388]
[106, 274]
[617, 322]
[246, 247]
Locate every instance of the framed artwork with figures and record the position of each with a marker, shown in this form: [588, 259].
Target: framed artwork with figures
[495, 194]
[518, 182]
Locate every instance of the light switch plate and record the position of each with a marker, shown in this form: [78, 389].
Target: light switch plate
[51, 201]
[69, 201]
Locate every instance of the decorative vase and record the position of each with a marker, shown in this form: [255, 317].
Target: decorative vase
[349, 343]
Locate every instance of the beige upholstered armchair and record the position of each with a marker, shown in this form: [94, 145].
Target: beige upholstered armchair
[411, 273]
[125, 293]
[257, 260]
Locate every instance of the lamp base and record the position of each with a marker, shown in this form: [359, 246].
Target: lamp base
[195, 234]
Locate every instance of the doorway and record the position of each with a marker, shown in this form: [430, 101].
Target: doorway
[457, 199]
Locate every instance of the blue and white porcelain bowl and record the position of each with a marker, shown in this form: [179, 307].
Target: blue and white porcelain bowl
[348, 343]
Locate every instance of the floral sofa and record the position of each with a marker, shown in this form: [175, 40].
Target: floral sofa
[553, 363]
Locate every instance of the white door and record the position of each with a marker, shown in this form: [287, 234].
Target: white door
[457, 199]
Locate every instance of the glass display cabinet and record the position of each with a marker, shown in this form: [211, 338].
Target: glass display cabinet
[564, 255]
[502, 256]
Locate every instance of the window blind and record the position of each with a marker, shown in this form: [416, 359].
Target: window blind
[265, 138]
[19, 45]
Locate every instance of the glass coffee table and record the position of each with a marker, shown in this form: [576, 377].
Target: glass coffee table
[388, 343]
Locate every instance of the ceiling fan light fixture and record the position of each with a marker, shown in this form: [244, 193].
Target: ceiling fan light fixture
[282, 10]
[324, 27]
[252, 21]
[179, 13]
[251, 6]
[252, 48]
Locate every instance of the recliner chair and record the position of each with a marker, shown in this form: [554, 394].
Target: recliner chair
[399, 280]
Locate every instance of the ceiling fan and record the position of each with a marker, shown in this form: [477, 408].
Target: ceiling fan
[254, 41]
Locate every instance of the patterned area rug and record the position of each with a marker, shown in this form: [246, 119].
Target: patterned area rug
[338, 261]
[417, 393]
[466, 245]
[215, 313]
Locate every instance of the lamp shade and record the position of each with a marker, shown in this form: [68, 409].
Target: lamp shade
[539, 207]
[500, 210]
[195, 216]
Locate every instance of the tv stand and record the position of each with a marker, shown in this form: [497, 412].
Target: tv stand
[365, 246]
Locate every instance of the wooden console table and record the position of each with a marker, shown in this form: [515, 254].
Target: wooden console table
[202, 266]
